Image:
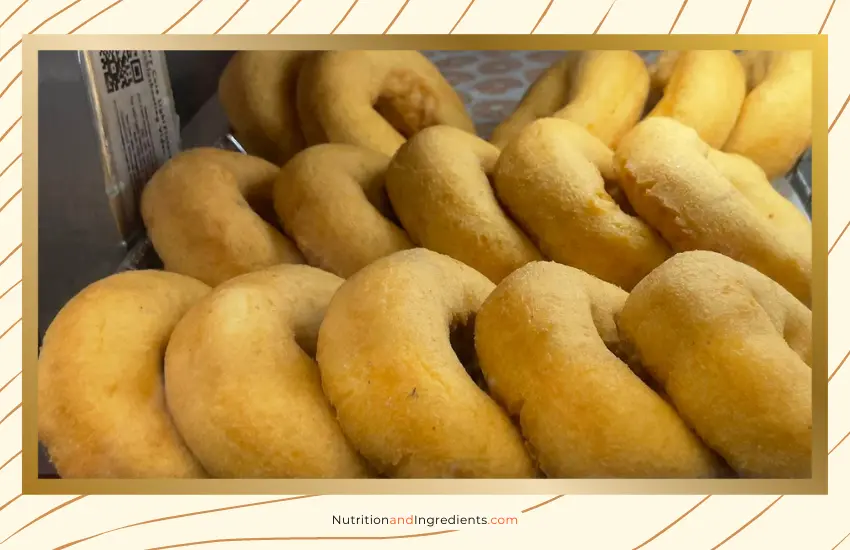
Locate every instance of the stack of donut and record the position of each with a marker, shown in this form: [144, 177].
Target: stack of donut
[609, 287]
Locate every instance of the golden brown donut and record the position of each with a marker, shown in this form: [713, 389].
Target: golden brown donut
[732, 349]
[439, 187]
[101, 408]
[549, 179]
[602, 91]
[703, 89]
[257, 90]
[332, 201]
[547, 341]
[242, 386]
[775, 124]
[673, 185]
[392, 350]
[209, 215]
[375, 98]
[752, 182]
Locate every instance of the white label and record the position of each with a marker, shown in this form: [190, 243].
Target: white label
[137, 122]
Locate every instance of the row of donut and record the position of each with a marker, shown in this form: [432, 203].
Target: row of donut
[757, 103]
[702, 371]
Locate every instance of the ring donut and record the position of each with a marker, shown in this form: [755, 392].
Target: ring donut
[389, 349]
[257, 92]
[101, 407]
[549, 179]
[439, 186]
[703, 89]
[752, 182]
[375, 99]
[672, 183]
[209, 215]
[582, 410]
[242, 386]
[732, 350]
[775, 124]
[332, 201]
[602, 91]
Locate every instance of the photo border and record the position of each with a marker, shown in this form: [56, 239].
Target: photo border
[817, 485]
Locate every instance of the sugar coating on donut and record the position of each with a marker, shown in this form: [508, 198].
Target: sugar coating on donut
[243, 387]
[101, 406]
[732, 349]
[402, 395]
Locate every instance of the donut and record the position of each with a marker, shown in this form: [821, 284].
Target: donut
[547, 340]
[732, 350]
[775, 124]
[438, 183]
[331, 200]
[257, 91]
[752, 182]
[672, 184]
[243, 387]
[392, 352]
[549, 179]
[602, 91]
[101, 408]
[375, 98]
[703, 89]
[209, 215]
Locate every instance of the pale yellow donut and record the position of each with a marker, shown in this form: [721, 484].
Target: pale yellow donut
[242, 385]
[549, 179]
[602, 91]
[257, 92]
[401, 392]
[703, 89]
[675, 186]
[547, 343]
[209, 215]
[732, 350]
[332, 201]
[101, 408]
[775, 124]
[375, 98]
[439, 186]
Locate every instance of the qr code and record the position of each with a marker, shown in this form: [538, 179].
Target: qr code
[121, 69]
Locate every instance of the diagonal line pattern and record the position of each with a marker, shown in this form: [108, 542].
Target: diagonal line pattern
[544, 503]
[42, 516]
[229, 19]
[8, 330]
[744, 16]
[16, 455]
[11, 82]
[12, 127]
[750, 522]
[6, 385]
[838, 367]
[182, 17]
[285, 15]
[670, 525]
[465, 11]
[178, 516]
[10, 502]
[10, 289]
[842, 540]
[542, 16]
[95, 16]
[678, 15]
[840, 441]
[9, 255]
[16, 159]
[10, 413]
[840, 112]
[344, 17]
[397, 15]
[10, 199]
[43, 23]
[825, 19]
[604, 17]
[11, 15]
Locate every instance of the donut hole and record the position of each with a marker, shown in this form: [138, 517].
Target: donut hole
[462, 340]
[407, 103]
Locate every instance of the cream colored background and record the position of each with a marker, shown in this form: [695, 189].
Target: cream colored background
[569, 522]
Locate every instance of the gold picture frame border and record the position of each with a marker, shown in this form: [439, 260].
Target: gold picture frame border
[817, 484]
